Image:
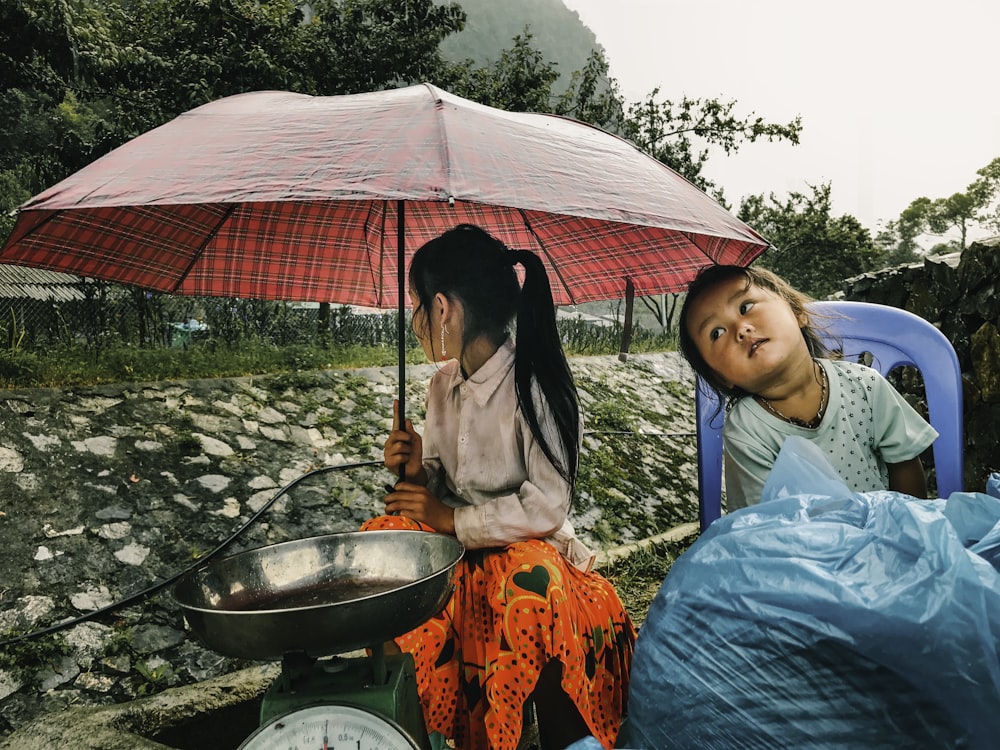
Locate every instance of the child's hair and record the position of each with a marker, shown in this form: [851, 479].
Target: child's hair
[707, 278]
[469, 265]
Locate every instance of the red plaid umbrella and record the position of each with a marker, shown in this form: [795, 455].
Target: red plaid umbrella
[282, 196]
[273, 195]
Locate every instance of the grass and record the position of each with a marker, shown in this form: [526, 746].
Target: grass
[78, 365]
[251, 337]
[637, 576]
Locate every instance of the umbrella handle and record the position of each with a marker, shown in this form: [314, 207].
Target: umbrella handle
[401, 317]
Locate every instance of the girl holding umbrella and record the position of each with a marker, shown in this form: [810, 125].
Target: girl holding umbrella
[496, 467]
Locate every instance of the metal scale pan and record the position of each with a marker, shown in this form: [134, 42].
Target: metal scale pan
[321, 595]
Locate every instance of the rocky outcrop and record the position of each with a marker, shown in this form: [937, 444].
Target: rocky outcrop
[218, 713]
[960, 294]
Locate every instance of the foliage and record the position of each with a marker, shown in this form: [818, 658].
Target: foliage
[13, 192]
[663, 307]
[592, 97]
[583, 337]
[959, 211]
[987, 189]
[153, 679]
[80, 78]
[522, 79]
[680, 134]
[76, 364]
[519, 81]
[178, 54]
[557, 33]
[638, 576]
[897, 242]
[32, 653]
[49, 124]
[813, 250]
[20, 368]
[608, 416]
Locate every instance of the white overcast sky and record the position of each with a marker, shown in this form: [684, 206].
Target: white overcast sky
[899, 98]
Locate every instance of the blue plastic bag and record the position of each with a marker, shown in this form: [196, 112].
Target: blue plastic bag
[993, 484]
[824, 618]
[587, 743]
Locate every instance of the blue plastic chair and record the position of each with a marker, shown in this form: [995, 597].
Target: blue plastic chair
[893, 337]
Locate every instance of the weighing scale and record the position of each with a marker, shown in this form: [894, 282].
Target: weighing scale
[368, 702]
[307, 603]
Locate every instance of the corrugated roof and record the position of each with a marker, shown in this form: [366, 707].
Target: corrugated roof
[22, 282]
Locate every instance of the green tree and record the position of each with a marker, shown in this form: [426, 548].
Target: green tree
[812, 249]
[178, 54]
[988, 190]
[557, 32]
[592, 96]
[519, 81]
[681, 134]
[78, 78]
[522, 80]
[897, 244]
[960, 212]
[50, 123]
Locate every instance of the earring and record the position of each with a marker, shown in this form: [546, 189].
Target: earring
[444, 349]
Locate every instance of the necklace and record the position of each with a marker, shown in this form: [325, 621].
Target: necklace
[813, 423]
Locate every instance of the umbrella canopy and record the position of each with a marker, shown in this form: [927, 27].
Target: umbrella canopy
[274, 195]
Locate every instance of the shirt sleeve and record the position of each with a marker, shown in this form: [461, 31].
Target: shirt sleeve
[901, 433]
[747, 462]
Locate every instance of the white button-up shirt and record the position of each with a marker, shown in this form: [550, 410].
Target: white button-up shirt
[482, 460]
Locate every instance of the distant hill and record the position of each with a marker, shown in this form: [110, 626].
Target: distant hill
[556, 31]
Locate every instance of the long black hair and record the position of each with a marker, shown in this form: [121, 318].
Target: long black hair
[469, 265]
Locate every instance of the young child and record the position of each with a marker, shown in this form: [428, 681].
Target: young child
[748, 333]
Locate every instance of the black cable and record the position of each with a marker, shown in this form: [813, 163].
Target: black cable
[200, 562]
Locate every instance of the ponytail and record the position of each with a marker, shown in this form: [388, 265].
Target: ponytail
[539, 356]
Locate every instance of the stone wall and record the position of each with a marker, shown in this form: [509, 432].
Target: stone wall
[960, 294]
[108, 491]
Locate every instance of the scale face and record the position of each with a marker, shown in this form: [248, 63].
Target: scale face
[330, 727]
[342, 703]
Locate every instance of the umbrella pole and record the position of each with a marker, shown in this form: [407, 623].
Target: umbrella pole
[401, 317]
[627, 330]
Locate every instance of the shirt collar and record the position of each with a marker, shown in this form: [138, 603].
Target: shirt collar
[484, 382]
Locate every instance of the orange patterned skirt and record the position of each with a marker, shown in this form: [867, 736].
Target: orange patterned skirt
[513, 610]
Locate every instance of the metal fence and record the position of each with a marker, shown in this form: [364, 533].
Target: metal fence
[101, 315]
[40, 310]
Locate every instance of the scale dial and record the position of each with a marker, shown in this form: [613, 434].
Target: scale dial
[329, 727]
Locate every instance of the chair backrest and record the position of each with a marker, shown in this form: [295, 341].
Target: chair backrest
[893, 337]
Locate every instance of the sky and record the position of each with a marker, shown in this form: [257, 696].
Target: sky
[899, 99]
